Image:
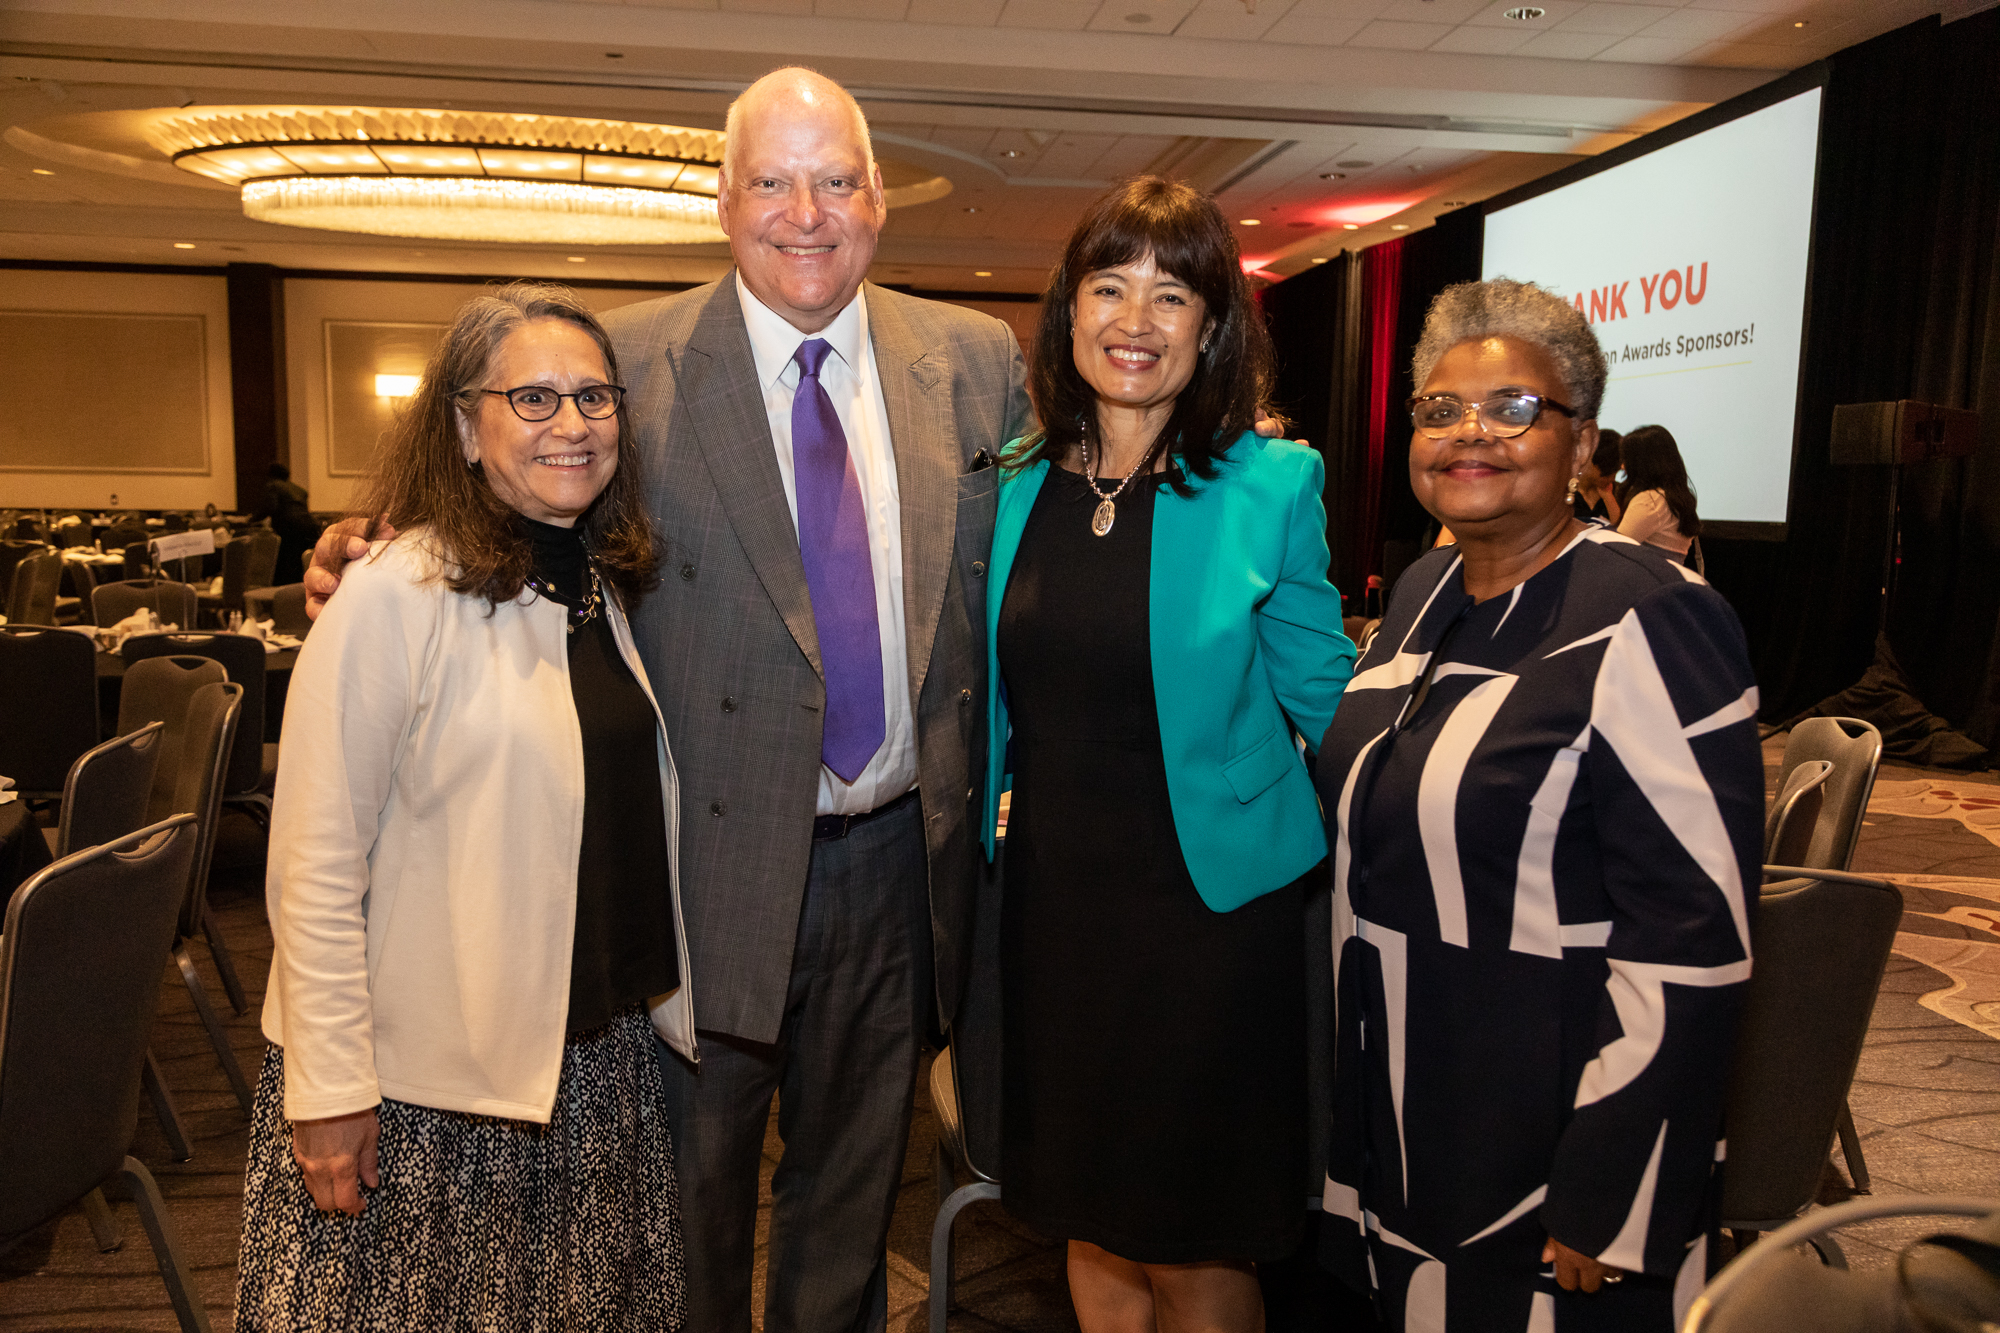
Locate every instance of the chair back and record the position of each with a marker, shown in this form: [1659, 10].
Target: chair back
[1820, 946]
[173, 602]
[33, 598]
[243, 658]
[288, 610]
[158, 689]
[79, 984]
[12, 553]
[250, 561]
[173, 521]
[108, 789]
[122, 535]
[211, 724]
[49, 679]
[1794, 816]
[75, 534]
[1854, 748]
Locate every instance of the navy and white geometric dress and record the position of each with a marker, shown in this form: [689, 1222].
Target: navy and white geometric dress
[1547, 811]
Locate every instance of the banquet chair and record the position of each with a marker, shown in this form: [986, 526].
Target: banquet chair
[12, 553]
[74, 534]
[212, 717]
[1774, 1288]
[1794, 814]
[173, 520]
[103, 801]
[288, 611]
[79, 986]
[80, 578]
[1821, 939]
[49, 679]
[949, 1156]
[1854, 749]
[250, 561]
[253, 765]
[173, 602]
[33, 598]
[122, 534]
[158, 689]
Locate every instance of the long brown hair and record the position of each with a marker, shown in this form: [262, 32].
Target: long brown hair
[1188, 237]
[420, 476]
[1652, 460]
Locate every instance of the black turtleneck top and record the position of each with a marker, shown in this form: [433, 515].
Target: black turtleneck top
[624, 949]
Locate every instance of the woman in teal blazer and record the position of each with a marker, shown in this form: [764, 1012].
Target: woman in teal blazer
[1161, 637]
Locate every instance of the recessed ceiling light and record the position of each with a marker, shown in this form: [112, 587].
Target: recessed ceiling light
[183, 245]
[1251, 222]
[982, 273]
[1354, 166]
[972, 208]
[43, 171]
[1399, 226]
[574, 259]
[1319, 261]
[1524, 13]
[1010, 152]
[1801, 23]
[1456, 203]
[1351, 226]
[1333, 175]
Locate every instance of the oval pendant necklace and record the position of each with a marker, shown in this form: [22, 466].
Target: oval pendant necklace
[1106, 512]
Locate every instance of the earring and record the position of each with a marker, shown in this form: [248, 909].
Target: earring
[1204, 344]
[1574, 482]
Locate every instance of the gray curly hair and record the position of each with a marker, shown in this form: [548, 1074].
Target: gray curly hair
[1502, 307]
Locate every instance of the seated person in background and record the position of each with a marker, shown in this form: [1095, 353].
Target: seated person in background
[473, 900]
[1594, 496]
[1655, 495]
[288, 507]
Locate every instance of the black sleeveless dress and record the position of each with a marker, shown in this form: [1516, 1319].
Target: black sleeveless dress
[1154, 1050]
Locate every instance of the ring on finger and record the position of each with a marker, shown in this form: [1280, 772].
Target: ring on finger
[1613, 1277]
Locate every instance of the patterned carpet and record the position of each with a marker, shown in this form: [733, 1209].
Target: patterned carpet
[1926, 1101]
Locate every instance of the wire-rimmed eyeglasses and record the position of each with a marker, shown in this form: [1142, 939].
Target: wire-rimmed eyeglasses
[538, 402]
[1504, 415]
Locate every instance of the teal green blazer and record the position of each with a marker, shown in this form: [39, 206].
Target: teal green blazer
[1247, 649]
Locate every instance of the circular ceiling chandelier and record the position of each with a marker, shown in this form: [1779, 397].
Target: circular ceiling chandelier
[456, 175]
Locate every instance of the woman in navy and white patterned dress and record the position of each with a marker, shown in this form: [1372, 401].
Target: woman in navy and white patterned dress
[1546, 797]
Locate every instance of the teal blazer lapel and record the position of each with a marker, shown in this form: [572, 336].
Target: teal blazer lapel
[1017, 499]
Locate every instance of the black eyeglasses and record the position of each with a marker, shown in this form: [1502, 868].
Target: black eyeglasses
[1504, 415]
[535, 402]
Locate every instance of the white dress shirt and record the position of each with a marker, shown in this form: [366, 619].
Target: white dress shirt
[850, 380]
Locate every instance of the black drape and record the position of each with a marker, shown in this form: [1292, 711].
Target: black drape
[1315, 321]
[1899, 306]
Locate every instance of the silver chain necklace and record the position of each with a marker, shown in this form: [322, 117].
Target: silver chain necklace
[1106, 512]
[578, 614]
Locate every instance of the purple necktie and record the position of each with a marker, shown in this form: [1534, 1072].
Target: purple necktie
[833, 544]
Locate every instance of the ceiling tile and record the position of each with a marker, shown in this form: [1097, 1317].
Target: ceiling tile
[1613, 20]
[1431, 11]
[965, 138]
[1069, 15]
[1750, 55]
[1322, 22]
[1469, 40]
[1399, 36]
[1841, 8]
[1564, 45]
[1701, 24]
[802, 8]
[890, 10]
[1650, 50]
[1143, 16]
[1228, 20]
[966, 13]
[1494, 15]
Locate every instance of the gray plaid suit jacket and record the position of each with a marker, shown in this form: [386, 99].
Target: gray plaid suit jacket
[728, 637]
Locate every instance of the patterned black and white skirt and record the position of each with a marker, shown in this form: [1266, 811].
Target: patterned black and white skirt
[481, 1223]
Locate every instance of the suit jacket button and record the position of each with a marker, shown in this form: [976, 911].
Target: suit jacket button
[979, 569]
[964, 697]
[717, 808]
[728, 704]
[687, 572]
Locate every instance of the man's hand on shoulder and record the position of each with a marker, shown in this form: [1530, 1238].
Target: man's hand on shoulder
[343, 541]
[1271, 428]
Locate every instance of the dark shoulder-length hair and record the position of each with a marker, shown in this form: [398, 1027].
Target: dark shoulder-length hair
[1188, 237]
[1653, 463]
[421, 478]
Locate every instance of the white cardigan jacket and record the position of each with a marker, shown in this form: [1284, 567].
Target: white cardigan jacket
[424, 843]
